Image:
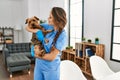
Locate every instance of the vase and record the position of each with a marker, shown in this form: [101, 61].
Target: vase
[96, 42]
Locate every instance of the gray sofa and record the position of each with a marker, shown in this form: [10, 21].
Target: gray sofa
[16, 56]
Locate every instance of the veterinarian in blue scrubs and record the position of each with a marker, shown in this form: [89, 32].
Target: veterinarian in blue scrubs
[48, 66]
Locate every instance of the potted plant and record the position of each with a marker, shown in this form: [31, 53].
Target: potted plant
[83, 39]
[89, 40]
[67, 48]
[70, 48]
[96, 40]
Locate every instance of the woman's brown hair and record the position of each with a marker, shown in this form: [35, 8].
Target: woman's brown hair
[59, 20]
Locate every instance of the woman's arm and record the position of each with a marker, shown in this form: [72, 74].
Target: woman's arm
[31, 30]
[38, 32]
[59, 46]
[50, 56]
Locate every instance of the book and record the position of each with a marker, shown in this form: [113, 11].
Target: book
[79, 53]
[89, 52]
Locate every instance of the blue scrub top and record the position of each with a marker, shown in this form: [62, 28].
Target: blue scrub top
[60, 45]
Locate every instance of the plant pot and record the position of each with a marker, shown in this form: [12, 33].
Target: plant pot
[96, 42]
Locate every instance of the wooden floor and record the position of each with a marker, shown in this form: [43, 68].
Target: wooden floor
[19, 75]
[23, 75]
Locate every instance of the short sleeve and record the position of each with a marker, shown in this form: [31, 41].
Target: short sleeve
[61, 41]
[40, 35]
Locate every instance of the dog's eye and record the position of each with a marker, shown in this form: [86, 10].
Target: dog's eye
[29, 21]
[33, 20]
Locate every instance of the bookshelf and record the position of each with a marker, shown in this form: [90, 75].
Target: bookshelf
[68, 55]
[80, 57]
[6, 36]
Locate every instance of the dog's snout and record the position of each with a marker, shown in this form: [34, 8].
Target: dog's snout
[33, 24]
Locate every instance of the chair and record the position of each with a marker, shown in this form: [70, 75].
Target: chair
[16, 57]
[99, 67]
[70, 71]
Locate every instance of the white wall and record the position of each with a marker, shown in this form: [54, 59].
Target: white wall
[98, 23]
[46, 6]
[11, 15]
[32, 9]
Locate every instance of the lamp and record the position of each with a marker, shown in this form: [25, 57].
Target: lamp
[18, 28]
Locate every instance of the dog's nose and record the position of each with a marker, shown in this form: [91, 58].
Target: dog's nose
[33, 24]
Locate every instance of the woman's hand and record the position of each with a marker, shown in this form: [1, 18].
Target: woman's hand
[37, 51]
[49, 56]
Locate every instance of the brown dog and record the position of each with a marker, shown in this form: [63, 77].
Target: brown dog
[34, 23]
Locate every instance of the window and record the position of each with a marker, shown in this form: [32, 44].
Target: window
[115, 41]
[76, 21]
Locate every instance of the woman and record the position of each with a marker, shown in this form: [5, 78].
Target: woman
[48, 66]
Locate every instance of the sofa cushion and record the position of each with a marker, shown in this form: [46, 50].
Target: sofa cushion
[28, 54]
[17, 60]
[18, 47]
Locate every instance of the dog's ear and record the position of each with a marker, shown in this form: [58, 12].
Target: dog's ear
[26, 21]
[36, 17]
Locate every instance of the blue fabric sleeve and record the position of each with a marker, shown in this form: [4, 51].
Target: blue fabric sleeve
[40, 35]
[61, 41]
[47, 26]
[32, 51]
